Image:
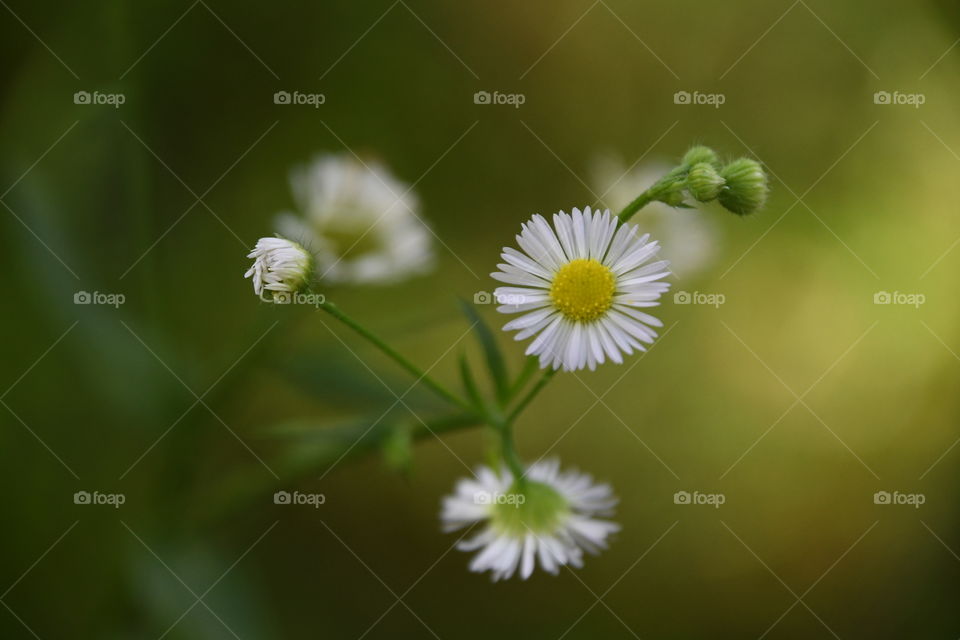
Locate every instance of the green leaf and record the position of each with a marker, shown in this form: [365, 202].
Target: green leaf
[495, 362]
[469, 384]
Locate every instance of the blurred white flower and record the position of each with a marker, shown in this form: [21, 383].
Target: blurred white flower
[689, 236]
[549, 519]
[579, 286]
[359, 220]
[280, 267]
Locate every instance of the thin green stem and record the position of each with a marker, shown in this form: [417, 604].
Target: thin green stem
[640, 202]
[529, 368]
[435, 386]
[541, 383]
[504, 427]
[664, 190]
[510, 456]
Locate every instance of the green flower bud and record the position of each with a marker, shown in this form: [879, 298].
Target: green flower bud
[746, 189]
[698, 154]
[704, 183]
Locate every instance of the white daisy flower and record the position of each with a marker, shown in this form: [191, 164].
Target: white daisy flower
[690, 238]
[280, 267]
[360, 221]
[579, 285]
[550, 519]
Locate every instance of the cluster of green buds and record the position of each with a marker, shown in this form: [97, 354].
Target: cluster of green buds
[740, 186]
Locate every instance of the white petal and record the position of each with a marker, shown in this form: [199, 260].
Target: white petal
[529, 320]
[526, 263]
[529, 548]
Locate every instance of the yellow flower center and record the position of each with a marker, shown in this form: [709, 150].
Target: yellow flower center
[583, 290]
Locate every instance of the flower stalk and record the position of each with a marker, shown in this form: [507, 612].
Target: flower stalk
[740, 186]
[501, 424]
[394, 355]
[509, 451]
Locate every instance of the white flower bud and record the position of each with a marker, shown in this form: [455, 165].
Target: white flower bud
[280, 267]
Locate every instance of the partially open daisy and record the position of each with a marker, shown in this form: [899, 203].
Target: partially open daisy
[548, 519]
[280, 267]
[579, 285]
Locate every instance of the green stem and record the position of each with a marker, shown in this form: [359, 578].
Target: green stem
[510, 456]
[541, 383]
[503, 425]
[529, 368]
[504, 428]
[664, 190]
[435, 386]
[641, 201]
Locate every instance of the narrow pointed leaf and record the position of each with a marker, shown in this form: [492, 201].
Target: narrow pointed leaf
[491, 352]
[469, 384]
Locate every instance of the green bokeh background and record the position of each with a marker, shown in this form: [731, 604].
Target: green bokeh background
[878, 213]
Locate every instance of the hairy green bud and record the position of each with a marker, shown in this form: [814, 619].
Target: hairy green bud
[746, 186]
[700, 154]
[704, 183]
